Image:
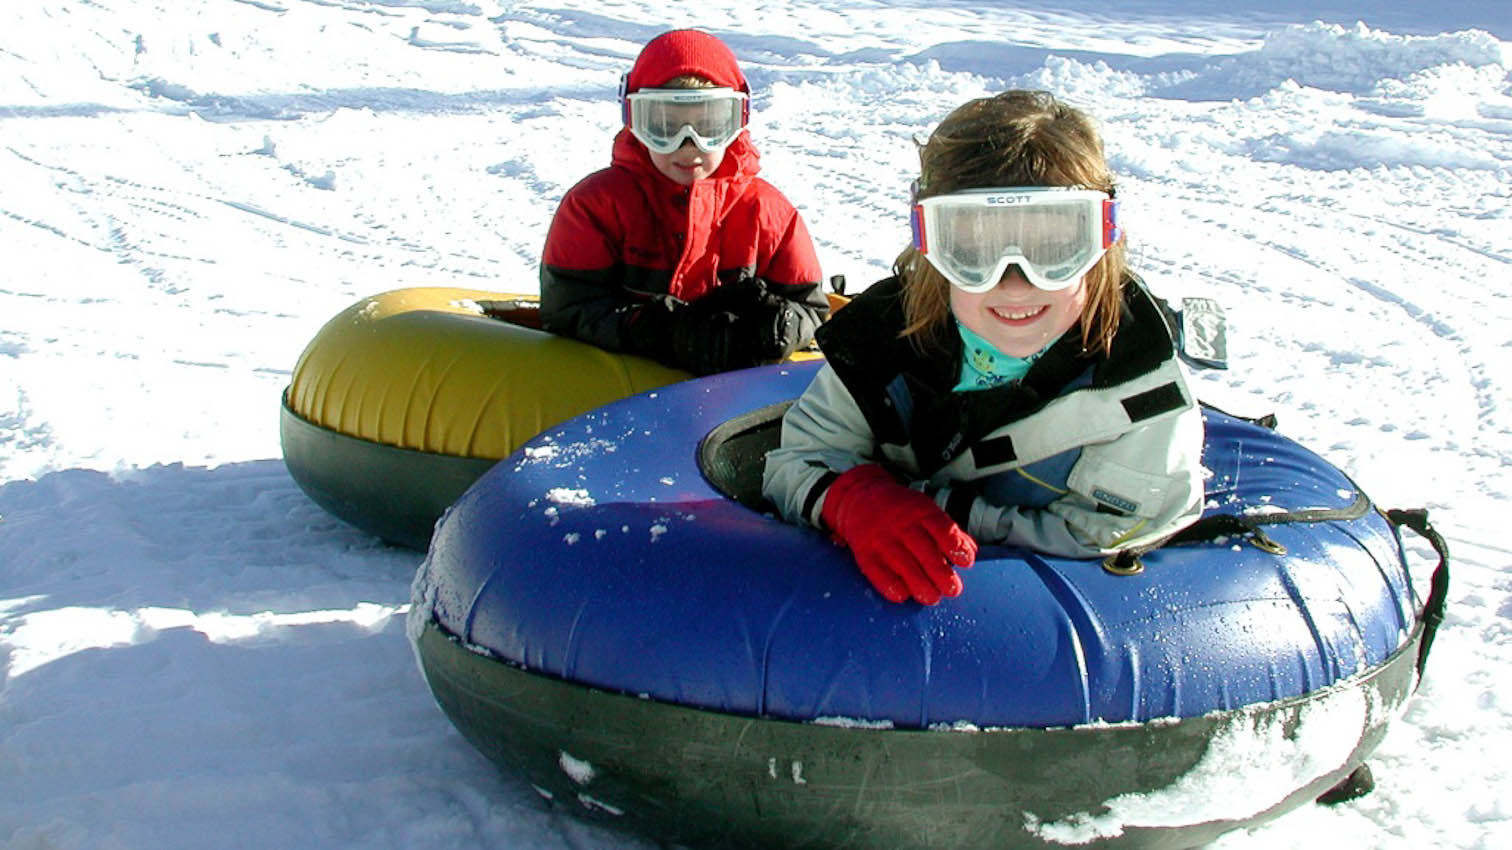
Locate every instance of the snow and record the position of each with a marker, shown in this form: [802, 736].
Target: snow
[577, 770]
[576, 497]
[193, 654]
[1252, 763]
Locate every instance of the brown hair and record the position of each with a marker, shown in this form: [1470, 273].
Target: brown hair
[1016, 138]
[687, 81]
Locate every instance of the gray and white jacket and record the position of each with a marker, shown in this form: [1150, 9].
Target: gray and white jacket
[1085, 456]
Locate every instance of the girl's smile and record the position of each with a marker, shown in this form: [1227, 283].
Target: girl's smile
[1015, 316]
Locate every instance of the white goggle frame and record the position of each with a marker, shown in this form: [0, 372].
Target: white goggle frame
[965, 235]
[663, 119]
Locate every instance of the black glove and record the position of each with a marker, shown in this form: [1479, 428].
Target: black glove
[702, 340]
[770, 323]
[736, 326]
[737, 296]
[650, 328]
[774, 326]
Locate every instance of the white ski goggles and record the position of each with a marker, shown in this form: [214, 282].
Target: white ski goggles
[665, 118]
[1054, 235]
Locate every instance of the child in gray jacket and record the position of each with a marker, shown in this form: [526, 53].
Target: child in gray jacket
[1012, 383]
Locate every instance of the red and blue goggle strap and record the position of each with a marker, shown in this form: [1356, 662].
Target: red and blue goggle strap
[1111, 231]
[624, 99]
[916, 216]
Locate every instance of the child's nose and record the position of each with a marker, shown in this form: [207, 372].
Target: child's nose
[1014, 277]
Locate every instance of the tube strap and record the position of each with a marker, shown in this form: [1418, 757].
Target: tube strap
[1438, 594]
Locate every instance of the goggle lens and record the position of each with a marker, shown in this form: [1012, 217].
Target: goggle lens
[1054, 235]
[665, 118]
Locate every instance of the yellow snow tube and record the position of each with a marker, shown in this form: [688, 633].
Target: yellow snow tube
[404, 399]
[449, 371]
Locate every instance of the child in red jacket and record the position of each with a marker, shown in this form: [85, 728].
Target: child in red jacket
[678, 251]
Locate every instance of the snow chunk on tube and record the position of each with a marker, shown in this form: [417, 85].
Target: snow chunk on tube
[1252, 762]
[569, 496]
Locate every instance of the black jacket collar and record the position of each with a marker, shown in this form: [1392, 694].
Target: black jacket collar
[862, 345]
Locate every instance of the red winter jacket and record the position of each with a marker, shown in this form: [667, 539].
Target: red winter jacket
[629, 248]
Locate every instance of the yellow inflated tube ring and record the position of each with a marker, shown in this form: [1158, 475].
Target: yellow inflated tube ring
[403, 399]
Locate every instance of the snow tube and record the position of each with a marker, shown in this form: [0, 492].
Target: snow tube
[403, 399]
[613, 613]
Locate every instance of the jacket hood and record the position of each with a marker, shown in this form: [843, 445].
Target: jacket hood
[673, 54]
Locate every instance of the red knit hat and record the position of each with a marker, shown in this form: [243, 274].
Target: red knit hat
[679, 52]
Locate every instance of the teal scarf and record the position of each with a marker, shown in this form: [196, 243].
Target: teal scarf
[984, 367]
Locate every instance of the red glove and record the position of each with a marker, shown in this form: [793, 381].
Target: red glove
[903, 542]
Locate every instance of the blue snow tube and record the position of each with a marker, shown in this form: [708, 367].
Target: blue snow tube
[611, 612]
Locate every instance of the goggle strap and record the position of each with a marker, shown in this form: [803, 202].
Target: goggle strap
[1111, 231]
[624, 97]
[916, 222]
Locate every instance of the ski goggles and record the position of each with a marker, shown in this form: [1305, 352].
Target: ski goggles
[1054, 235]
[665, 118]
